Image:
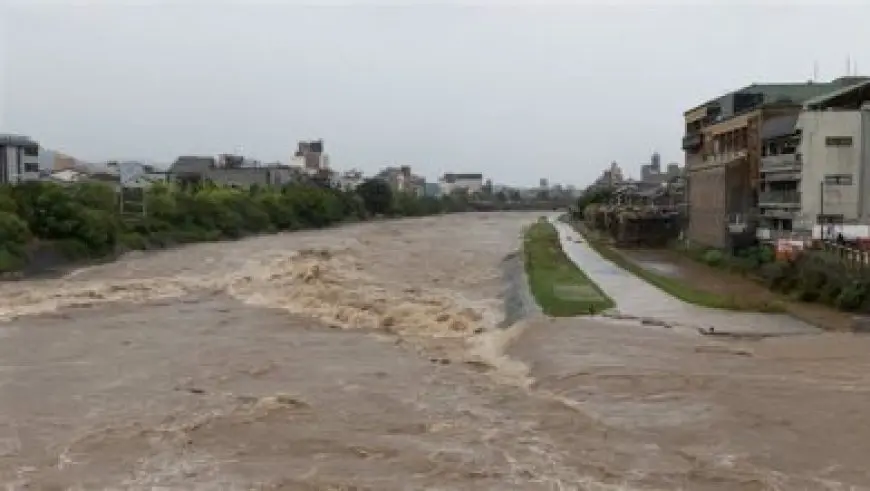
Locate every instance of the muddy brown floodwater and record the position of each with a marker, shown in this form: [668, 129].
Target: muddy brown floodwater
[368, 357]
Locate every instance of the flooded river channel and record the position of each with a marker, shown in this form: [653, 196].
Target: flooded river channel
[371, 357]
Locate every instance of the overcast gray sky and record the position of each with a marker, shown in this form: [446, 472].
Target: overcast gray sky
[516, 92]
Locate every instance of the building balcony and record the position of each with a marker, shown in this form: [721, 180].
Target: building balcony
[780, 213]
[781, 176]
[766, 234]
[780, 163]
[692, 142]
[739, 223]
[781, 199]
[725, 158]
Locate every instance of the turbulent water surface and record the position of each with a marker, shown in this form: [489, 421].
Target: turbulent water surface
[369, 357]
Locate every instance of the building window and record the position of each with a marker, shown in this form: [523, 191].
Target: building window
[838, 180]
[31, 167]
[838, 141]
[31, 151]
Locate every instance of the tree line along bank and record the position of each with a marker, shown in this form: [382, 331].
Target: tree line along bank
[87, 221]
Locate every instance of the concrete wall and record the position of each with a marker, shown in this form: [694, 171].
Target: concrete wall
[820, 160]
[708, 214]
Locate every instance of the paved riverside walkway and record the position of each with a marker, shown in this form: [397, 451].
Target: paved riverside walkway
[637, 298]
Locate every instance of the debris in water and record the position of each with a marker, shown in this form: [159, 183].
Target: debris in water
[723, 350]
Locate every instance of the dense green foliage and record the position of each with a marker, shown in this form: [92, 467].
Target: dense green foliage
[592, 195]
[559, 287]
[376, 195]
[86, 220]
[814, 276]
[820, 276]
[745, 261]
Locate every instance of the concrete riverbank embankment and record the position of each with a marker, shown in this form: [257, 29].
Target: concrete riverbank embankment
[518, 301]
[636, 298]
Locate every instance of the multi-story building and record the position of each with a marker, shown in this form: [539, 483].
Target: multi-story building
[19, 159]
[468, 183]
[779, 183]
[650, 171]
[348, 180]
[227, 170]
[610, 177]
[819, 174]
[724, 150]
[834, 152]
[653, 173]
[310, 156]
[402, 180]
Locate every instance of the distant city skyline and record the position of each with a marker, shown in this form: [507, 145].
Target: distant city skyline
[515, 92]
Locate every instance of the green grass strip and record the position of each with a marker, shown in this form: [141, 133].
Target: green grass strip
[558, 285]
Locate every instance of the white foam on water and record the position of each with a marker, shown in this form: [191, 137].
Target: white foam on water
[491, 349]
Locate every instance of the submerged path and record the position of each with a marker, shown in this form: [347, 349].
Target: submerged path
[636, 297]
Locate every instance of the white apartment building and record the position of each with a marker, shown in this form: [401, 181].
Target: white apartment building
[349, 180]
[19, 159]
[815, 167]
[470, 183]
[834, 152]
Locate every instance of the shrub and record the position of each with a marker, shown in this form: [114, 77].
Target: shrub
[279, 209]
[406, 204]
[133, 241]
[10, 261]
[777, 276]
[97, 229]
[812, 276]
[713, 257]
[13, 230]
[766, 255]
[7, 200]
[13, 238]
[377, 196]
[852, 297]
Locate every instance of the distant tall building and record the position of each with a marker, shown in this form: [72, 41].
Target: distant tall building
[311, 153]
[615, 173]
[610, 177]
[544, 183]
[652, 172]
[656, 162]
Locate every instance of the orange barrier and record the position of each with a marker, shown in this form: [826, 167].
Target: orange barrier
[788, 250]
